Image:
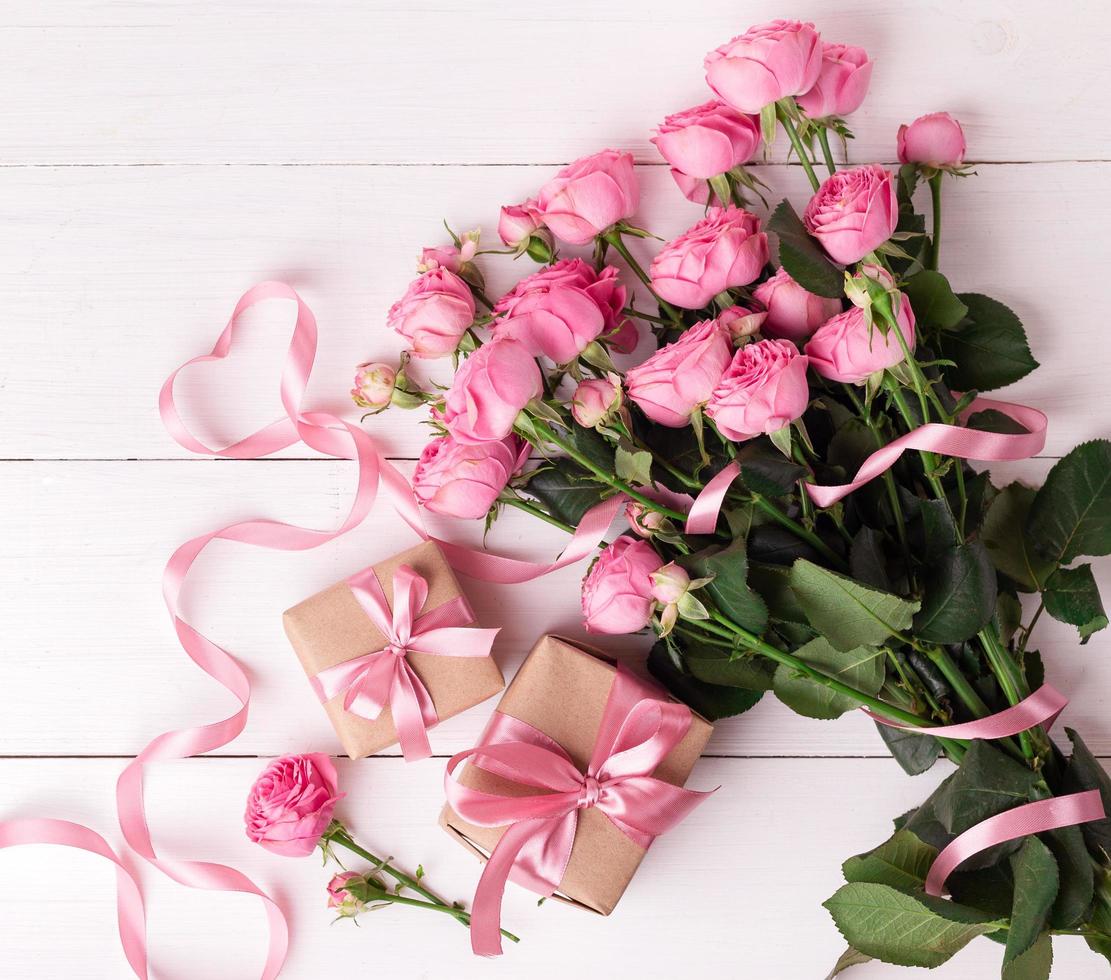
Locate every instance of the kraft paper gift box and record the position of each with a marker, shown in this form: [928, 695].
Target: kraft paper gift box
[562, 689]
[331, 627]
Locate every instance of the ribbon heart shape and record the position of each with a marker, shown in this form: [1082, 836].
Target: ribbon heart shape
[636, 734]
[385, 677]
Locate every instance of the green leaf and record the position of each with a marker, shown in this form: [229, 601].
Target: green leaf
[938, 530]
[934, 303]
[960, 595]
[862, 669]
[716, 666]
[902, 861]
[593, 445]
[989, 346]
[847, 613]
[1074, 897]
[566, 490]
[729, 589]
[915, 753]
[867, 559]
[1085, 772]
[990, 420]
[1004, 535]
[802, 257]
[851, 957]
[1072, 596]
[1035, 888]
[773, 583]
[1071, 514]
[634, 467]
[768, 472]
[1034, 964]
[907, 930]
[712, 701]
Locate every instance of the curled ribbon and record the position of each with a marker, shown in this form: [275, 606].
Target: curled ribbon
[636, 734]
[385, 677]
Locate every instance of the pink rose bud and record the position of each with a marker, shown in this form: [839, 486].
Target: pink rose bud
[846, 349]
[793, 312]
[741, 322]
[763, 390]
[561, 309]
[765, 64]
[595, 401]
[935, 140]
[723, 250]
[678, 379]
[842, 83]
[490, 389]
[441, 257]
[373, 385]
[589, 196]
[853, 212]
[866, 283]
[670, 584]
[340, 899]
[518, 222]
[434, 313]
[617, 591]
[643, 521]
[460, 480]
[707, 140]
[291, 804]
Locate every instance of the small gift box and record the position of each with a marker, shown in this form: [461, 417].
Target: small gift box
[389, 652]
[581, 766]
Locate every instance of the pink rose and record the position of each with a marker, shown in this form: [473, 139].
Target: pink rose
[489, 391]
[724, 249]
[842, 83]
[708, 139]
[449, 257]
[464, 480]
[936, 140]
[845, 349]
[595, 401]
[589, 196]
[643, 522]
[373, 385]
[765, 64]
[741, 322]
[518, 222]
[617, 591]
[674, 382]
[762, 390]
[853, 212]
[559, 310]
[291, 803]
[340, 899]
[793, 312]
[434, 313]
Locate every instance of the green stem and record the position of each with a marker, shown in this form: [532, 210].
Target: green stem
[929, 460]
[1035, 744]
[935, 240]
[614, 238]
[823, 139]
[537, 512]
[1028, 630]
[482, 298]
[805, 533]
[796, 142]
[629, 311]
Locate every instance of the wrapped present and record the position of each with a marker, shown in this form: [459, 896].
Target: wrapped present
[390, 652]
[580, 767]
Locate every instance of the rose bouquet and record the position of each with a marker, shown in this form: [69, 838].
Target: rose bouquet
[793, 461]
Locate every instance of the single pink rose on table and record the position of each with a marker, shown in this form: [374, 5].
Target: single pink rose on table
[853, 212]
[490, 388]
[374, 383]
[596, 400]
[434, 313]
[517, 222]
[842, 82]
[763, 389]
[463, 480]
[617, 591]
[767, 63]
[678, 379]
[707, 140]
[935, 140]
[291, 804]
[723, 250]
[793, 312]
[846, 349]
[589, 196]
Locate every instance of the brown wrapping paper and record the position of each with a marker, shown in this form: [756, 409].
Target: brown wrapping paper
[331, 627]
[562, 689]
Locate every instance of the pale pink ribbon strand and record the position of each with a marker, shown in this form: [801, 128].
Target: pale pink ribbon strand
[384, 676]
[636, 733]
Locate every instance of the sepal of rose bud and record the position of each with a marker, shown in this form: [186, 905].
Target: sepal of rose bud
[374, 385]
[871, 286]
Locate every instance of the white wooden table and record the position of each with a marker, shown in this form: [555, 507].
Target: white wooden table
[156, 158]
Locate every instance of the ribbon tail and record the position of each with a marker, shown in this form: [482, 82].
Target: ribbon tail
[486, 913]
[412, 711]
[703, 516]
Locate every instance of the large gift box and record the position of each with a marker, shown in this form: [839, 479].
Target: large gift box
[563, 691]
[364, 676]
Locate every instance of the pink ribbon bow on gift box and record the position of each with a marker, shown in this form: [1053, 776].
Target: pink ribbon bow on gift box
[385, 677]
[637, 732]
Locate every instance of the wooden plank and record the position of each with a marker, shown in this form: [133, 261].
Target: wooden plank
[98, 671]
[486, 83]
[113, 276]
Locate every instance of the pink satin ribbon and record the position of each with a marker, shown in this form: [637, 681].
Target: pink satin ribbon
[636, 733]
[384, 677]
